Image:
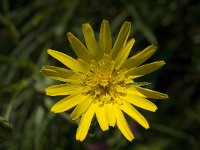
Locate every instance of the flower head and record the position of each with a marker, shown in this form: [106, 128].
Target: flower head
[101, 80]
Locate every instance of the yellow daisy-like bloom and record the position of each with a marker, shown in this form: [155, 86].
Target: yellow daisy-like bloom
[101, 80]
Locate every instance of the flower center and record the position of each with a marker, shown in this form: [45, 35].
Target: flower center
[103, 82]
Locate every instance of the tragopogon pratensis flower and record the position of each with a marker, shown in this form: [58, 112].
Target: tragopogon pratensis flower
[101, 80]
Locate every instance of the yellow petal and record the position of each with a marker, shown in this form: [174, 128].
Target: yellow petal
[101, 118]
[105, 37]
[132, 90]
[85, 67]
[139, 84]
[81, 108]
[122, 124]
[80, 50]
[140, 102]
[140, 57]
[85, 123]
[132, 112]
[151, 94]
[123, 54]
[57, 73]
[91, 41]
[67, 103]
[66, 60]
[63, 89]
[111, 118]
[121, 39]
[145, 69]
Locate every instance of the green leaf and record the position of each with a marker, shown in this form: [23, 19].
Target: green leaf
[5, 130]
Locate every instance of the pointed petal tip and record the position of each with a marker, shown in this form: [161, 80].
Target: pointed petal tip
[79, 139]
[166, 96]
[87, 28]
[146, 126]
[45, 90]
[153, 46]
[105, 21]
[105, 129]
[50, 51]
[48, 93]
[54, 110]
[127, 22]
[69, 35]
[132, 41]
[86, 25]
[156, 108]
[112, 125]
[131, 140]
[162, 62]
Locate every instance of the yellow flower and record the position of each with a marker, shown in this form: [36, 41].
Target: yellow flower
[101, 80]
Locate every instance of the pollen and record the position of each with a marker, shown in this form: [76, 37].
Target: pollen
[103, 82]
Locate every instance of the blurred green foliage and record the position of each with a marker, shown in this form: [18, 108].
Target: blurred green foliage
[28, 28]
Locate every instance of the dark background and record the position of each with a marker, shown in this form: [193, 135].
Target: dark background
[28, 28]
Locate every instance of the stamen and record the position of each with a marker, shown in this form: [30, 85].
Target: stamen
[104, 83]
